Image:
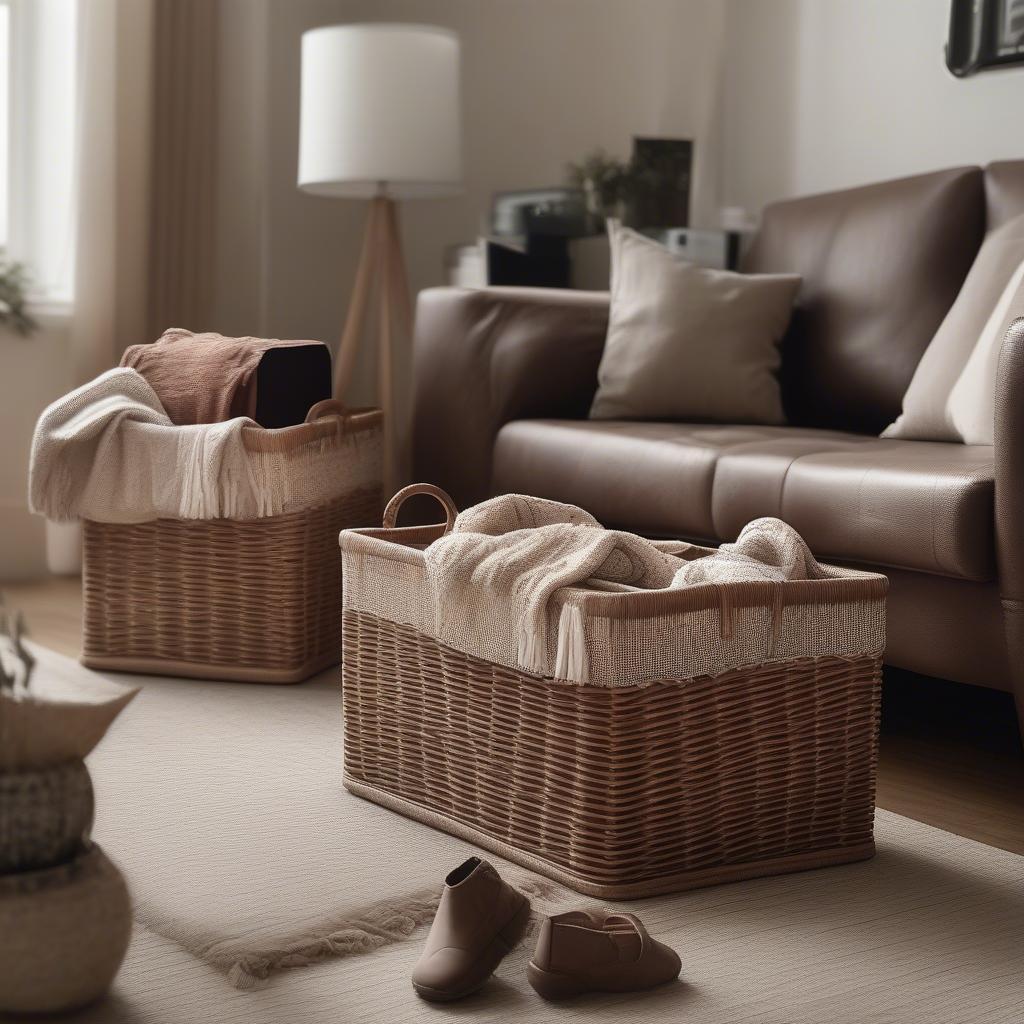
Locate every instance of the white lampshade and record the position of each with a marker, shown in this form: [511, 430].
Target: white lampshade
[380, 111]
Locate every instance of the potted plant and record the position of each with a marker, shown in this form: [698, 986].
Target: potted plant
[605, 182]
[14, 281]
[63, 540]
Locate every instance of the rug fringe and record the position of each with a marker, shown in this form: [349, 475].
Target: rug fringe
[379, 926]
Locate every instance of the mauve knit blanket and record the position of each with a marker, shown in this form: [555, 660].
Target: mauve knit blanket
[203, 378]
[506, 558]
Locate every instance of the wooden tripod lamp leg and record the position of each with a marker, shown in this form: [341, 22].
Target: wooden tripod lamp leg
[396, 271]
[370, 259]
[395, 329]
[381, 266]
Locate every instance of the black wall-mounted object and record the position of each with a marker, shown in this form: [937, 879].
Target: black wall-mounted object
[660, 194]
[984, 34]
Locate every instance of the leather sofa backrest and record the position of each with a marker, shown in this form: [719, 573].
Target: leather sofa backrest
[1004, 191]
[881, 266]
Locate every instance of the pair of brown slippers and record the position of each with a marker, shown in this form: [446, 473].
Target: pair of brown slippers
[481, 918]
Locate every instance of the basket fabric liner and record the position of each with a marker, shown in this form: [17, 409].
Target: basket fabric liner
[636, 638]
[108, 452]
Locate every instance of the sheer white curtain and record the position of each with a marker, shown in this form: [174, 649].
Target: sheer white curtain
[37, 147]
[113, 146]
[113, 112]
[182, 236]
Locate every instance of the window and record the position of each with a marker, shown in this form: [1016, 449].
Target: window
[37, 141]
[5, 64]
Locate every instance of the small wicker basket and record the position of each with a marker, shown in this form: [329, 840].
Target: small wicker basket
[256, 600]
[622, 789]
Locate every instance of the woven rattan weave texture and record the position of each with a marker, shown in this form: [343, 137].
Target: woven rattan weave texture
[618, 792]
[257, 601]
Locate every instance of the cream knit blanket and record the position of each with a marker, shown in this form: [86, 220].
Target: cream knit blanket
[507, 557]
[108, 451]
[766, 549]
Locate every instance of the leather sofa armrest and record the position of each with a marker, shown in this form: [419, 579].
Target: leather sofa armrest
[1009, 446]
[483, 357]
[1009, 455]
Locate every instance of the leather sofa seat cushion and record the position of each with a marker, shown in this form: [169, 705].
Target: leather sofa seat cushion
[653, 478]
[906, 504]
[918, 505]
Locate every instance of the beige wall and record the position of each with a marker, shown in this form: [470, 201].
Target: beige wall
[544, 82]
[822, 94]
[33, 372]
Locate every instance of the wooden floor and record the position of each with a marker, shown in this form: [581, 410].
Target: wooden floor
[950, 755]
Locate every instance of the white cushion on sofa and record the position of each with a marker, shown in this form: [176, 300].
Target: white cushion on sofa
[952, 394]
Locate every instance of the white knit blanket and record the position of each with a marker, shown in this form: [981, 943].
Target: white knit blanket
[506, 558]
[107, 451]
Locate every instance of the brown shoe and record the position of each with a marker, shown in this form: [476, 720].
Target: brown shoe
[479, 920]
[593, 952]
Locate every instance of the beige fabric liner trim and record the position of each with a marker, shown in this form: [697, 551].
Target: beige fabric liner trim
[636, 638]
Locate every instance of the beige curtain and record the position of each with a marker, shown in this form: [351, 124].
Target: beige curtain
[112, 180]
[183, 175]
[145, 173]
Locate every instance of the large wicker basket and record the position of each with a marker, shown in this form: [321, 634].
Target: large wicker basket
[256, 600]
[622, 790]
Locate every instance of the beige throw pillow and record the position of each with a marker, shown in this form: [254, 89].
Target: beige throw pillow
[952, 393]
[688, 343]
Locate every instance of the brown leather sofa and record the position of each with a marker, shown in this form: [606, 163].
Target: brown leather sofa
[504, 379]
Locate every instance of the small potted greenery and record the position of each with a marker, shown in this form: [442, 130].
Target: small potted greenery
[14, 281]
[606, 183]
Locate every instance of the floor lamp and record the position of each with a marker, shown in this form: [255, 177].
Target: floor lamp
[380, 121]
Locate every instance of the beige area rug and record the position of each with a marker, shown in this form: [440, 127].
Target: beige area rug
[224, 806]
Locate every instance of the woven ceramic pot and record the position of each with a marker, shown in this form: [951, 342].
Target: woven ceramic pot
[63, 934]
[45, 816]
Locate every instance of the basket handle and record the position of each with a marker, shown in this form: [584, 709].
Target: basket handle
[451, 510]
[326, 407]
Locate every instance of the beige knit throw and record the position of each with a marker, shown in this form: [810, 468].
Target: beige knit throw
[494, 576]
[108, 452]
